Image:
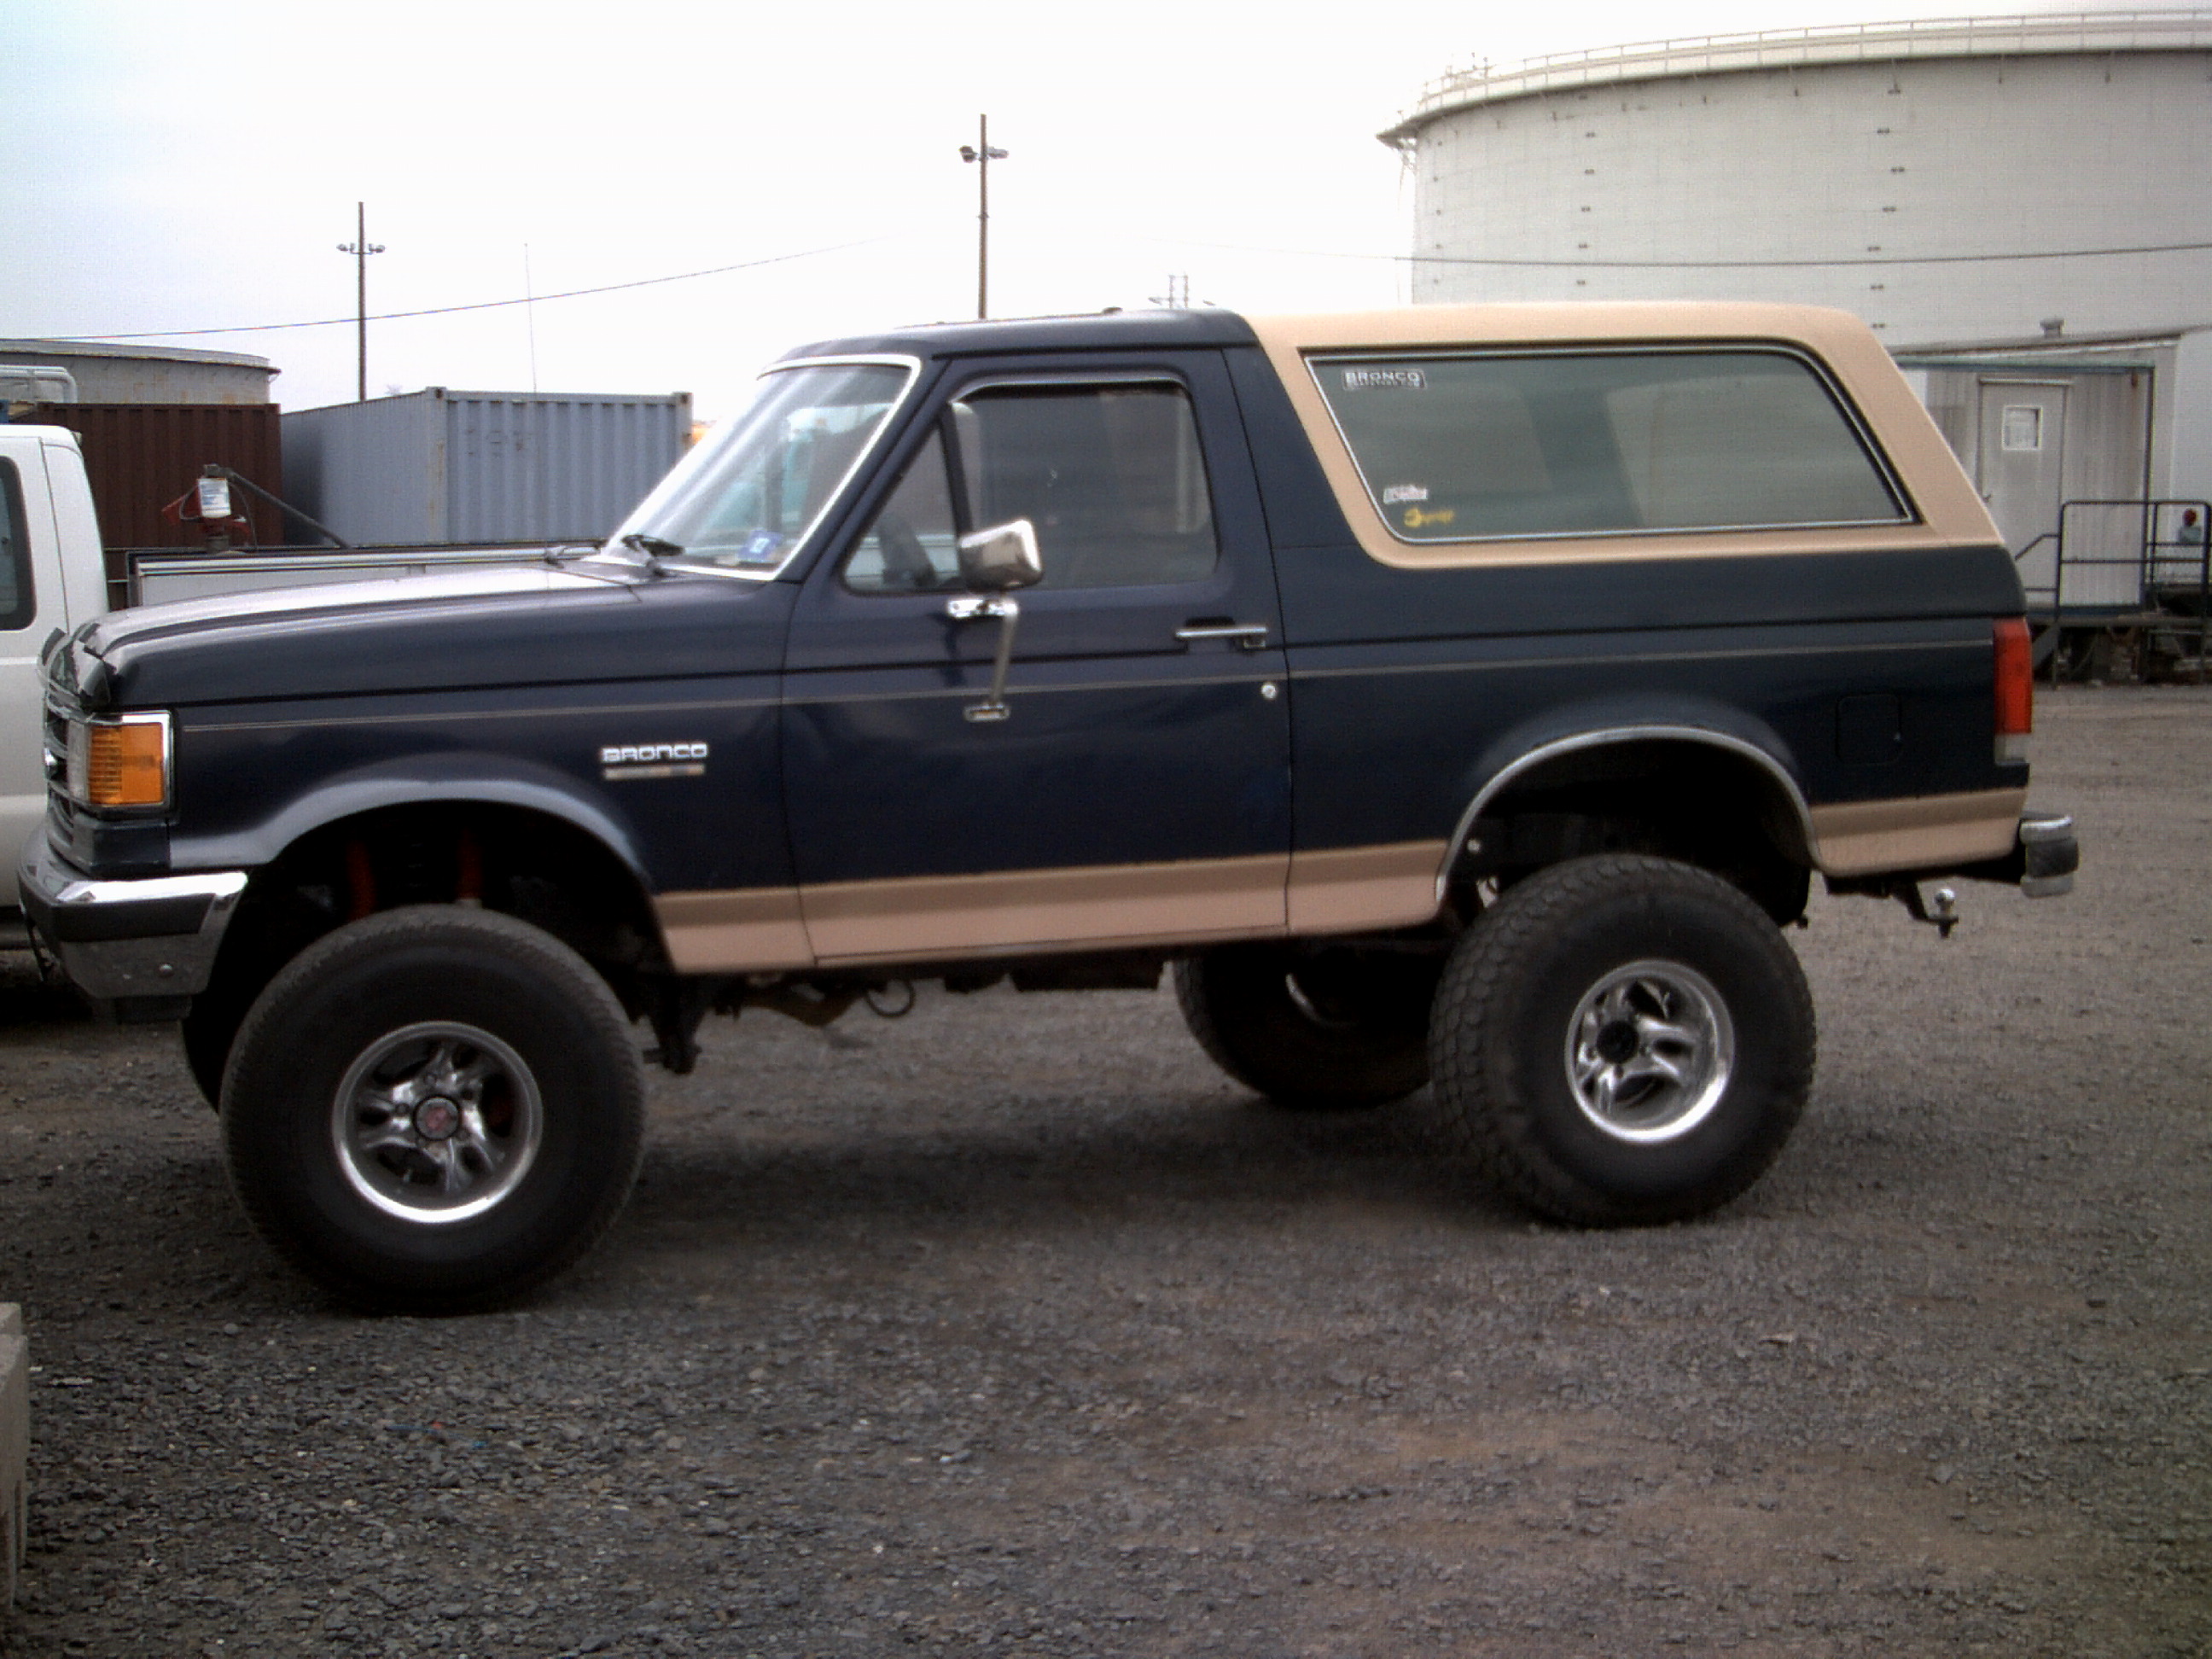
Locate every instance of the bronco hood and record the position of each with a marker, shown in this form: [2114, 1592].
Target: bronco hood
[508, 624]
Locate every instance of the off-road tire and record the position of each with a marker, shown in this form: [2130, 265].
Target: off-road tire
[1360, 1040]
[554, 1038]
[1519, 986]
[208, 1033]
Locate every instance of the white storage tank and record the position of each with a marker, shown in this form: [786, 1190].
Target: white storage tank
[1760, 166]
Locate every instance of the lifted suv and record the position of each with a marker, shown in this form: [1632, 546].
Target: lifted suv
[1461, 696]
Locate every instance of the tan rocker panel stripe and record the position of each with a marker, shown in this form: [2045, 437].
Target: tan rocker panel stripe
[1348, 890]
[1343, 890]
[922, 917]
[1919, 832]
[1114, 906]
[743, 930]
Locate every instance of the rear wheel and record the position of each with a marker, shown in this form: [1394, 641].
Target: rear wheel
[1337, 1028]
[433, 1108]
[1623, 1040]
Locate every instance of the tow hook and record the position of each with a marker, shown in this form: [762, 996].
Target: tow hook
[1940, 910]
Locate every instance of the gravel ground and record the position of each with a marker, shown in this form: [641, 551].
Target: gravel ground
[1012, 1326]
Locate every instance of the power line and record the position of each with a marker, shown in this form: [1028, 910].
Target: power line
[1699, 265]
[487, 305]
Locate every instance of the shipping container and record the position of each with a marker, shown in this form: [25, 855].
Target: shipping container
[444, 466]
[141, 457]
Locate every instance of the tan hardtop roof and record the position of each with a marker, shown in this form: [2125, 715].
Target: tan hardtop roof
[1946, 509]
[1558, 322]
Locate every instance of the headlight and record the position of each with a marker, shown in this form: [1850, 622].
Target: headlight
[124, 762]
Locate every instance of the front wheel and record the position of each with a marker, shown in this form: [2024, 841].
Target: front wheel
[433, 1108]
[1623, 1040]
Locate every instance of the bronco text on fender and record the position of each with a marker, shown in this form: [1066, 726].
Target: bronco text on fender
[1457, 696]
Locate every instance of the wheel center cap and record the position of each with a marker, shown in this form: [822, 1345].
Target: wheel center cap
[436, 1118]
[1617, 1042]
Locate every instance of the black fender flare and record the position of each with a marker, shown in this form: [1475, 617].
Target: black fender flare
[1522, 748]
[458, 777]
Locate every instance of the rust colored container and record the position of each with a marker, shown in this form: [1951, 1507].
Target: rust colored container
[140, 456]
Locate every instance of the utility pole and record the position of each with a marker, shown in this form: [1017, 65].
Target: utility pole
[983, 155]
[360, 247]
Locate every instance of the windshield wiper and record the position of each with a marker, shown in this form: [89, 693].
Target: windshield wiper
[651, 549]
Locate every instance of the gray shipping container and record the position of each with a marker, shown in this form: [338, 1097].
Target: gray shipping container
[441, 466]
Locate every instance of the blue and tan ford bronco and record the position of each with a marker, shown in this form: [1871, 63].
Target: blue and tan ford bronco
[1456, 697]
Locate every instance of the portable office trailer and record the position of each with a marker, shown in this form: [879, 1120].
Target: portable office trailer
[439, 466]
[2038, 431]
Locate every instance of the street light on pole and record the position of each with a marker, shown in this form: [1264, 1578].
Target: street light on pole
[983, 155]
[360, 247]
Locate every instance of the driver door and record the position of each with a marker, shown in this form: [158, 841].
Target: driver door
[1136, 787]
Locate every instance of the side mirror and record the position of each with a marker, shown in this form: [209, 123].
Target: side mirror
[1003, 557]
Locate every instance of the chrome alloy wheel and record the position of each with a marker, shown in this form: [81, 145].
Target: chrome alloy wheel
[1649, 1051]
[436, 1122]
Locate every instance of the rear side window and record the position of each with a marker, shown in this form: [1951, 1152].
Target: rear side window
[17, 603]
[1469, 446]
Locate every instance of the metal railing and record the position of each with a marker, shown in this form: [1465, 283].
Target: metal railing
[2171, 561]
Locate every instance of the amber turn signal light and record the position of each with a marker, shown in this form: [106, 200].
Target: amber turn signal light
[127, 765]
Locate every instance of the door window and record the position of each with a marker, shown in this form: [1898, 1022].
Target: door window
[16, 605]
[1110, 476]
[909, 546]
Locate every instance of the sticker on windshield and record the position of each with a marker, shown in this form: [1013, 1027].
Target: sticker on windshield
[1397, 493]
[1384, 380]
[1417, 520]
[760, 548]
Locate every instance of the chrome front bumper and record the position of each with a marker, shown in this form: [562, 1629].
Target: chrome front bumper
[138, 945]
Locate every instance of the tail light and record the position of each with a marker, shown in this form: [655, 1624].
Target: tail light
[2015, 687]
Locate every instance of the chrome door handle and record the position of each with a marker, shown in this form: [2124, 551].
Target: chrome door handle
[1249, 636]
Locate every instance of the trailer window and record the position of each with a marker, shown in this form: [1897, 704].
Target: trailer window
[17, 605]
[1473, 447]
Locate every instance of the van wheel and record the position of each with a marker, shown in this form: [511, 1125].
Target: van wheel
[1327, 1030]
[1623, 1040]
[433, 1108]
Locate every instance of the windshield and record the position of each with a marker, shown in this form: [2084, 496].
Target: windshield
[746, 497]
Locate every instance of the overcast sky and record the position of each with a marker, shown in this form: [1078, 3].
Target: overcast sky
[173, 167]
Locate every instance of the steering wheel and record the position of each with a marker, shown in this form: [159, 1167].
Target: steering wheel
[906, 561]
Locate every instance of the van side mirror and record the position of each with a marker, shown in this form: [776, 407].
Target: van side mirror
[1002, 557]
